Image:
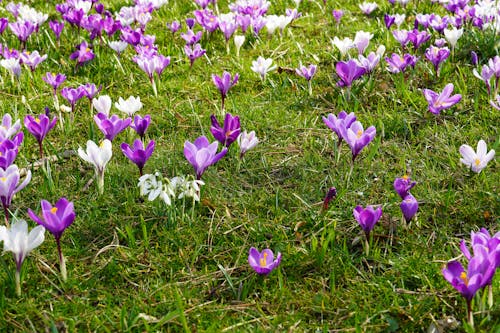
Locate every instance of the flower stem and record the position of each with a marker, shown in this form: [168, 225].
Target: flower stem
[18, 282]
[62, 262]
[470, 317]
[6, 212]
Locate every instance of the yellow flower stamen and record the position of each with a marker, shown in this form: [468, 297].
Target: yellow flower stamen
[477, 161]
[263, 261]
[359, 133]
[37, 120]
[463, 277]
[3, 179]
[87, 50]
[53, 210]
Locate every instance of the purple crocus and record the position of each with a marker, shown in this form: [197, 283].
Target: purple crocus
[137, 153]
[57, 28]
[367, 217]
[111, 126]
[357, 138]
[8, 153]
[9, 128]
[485, 76]
[56, 219]
[335, 123]
[90, 90]
[479, 272]
[330, 195]
[389, 20]
[194, 52]
[229, 132]
[39, 127]
[409, 207]
[348, 72]
[417, 38]
[32, 59]
[83, 54]
[10, 185]
[307, 72]
[55, 80]
[191, 38]
[442, 101]
[224, 83]
[202, 154]
[403, 186]
[174, 26]
[263, 262]
[22, 30]
[398, 64]
[72, 95]
[436, 56]
[140, 124]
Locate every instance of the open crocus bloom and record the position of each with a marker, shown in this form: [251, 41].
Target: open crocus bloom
[442, 101]
[201, 154]
[476, 161]
[263, 262]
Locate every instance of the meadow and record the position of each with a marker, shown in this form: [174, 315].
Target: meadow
[171, 238]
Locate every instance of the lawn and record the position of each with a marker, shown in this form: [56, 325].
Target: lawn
[180, 262]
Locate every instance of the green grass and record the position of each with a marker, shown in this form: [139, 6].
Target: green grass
[135, 265]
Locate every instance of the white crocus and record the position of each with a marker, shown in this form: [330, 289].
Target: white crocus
[12, 65]
[246, 141]
[452, 36]
[239, 40]
[129, 106]
[476, 161]
[99, 156]
[17, 240]
[343, 45]
[118, 46]
[262, 66]
[102, 104]
[361, 40]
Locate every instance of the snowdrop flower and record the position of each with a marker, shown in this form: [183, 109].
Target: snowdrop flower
[452, 35]
[18, 241]
[262, 66]
[186, 187]
[151, 185]
[102, 104]
[343, 45]
[239, 40]
[476, 161]
[99, 156]
[129, 106]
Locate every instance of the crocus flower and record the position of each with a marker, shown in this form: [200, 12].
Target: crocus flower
[337, 15]
[56, 219]
[348, 72]
[72, 95]
[442, 101]
[9, 185]
[202, 154]
[335, 123]
[54, 80]
[22, 30]
[17, 240]
[7, 128]
[39, 127]
[140, 124]
[102, 104]
[174, 26]
[417, 38]
[496, 104]
[98, 156]
[403, 186]
[476, 161]
[12, 65]
[111, 126]
[191, 38]
[368, 7]
[83, 54]
[32, 59]
[398, 64]
[479, 271]
[357, 138]
[485, 76]
[57, 28]
[330, 195]
[263, 262]
[370, 62]
[229, 132]
[361, 40]
[367, 217]
[129, 106]
[262, 66]
[409, 207]
[436, 56]
[8, 153]
[90, 90]
[246, 141]
[343, 45]
[193, 52]
[452, 36]
[137, 153]
[389, 20]
[224, 83]
[118, 46]
[307, 72]
[239, 40]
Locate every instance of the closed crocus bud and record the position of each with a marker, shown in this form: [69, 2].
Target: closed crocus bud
[473, 58]
[409, 207]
